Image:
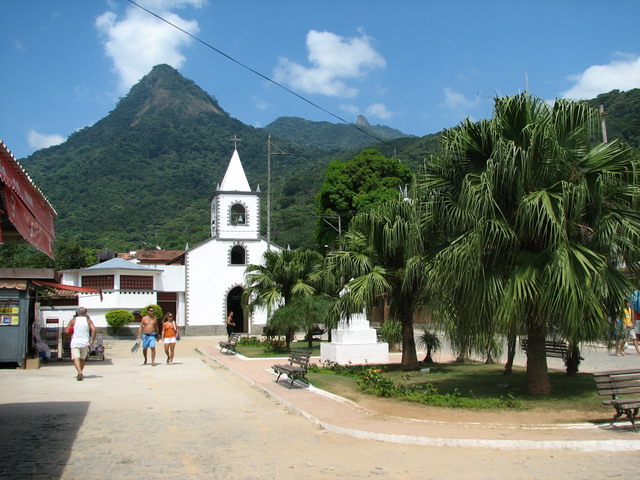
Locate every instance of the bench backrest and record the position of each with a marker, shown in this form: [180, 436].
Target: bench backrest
[234, 337]
[614, 383]
[550, 346]
[300, 358]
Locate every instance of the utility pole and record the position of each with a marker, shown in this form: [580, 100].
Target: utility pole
[604, 124]
[269, 153]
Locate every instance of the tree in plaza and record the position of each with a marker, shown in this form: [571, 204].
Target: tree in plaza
[539, 215]
[304, 312]
[375, 258]
[366, 180]
[284, 275]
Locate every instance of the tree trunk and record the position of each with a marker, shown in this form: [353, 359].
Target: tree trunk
[409, 354]
[538, 382]
[573, 359]
[511, 353]
[428, 359]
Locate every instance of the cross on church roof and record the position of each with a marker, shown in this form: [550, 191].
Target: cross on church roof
[235, 141]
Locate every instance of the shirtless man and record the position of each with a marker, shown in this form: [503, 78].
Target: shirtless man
[149, 331]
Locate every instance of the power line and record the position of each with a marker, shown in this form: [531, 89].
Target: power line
[268, 79]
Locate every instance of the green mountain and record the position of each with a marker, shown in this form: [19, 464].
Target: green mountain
[144, 174]
[622, 114]
[331, 136]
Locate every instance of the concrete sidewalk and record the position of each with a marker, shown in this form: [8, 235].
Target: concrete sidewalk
[339, 415]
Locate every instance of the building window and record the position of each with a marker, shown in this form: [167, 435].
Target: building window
[238, 214]
[99, 282]
[238, 255]
[136, 282]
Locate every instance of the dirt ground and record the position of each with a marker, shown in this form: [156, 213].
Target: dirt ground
[198, 420]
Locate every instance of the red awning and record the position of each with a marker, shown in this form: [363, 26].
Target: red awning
[61, 286]
[27, 208]
[70, 288]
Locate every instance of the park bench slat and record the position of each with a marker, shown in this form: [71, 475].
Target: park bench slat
[230, 345]
[620, 382]
[296, 368]
[553, 348]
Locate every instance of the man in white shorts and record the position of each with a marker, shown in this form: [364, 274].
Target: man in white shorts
[83, 335]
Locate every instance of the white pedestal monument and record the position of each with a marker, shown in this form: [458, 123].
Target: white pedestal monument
[354, 342]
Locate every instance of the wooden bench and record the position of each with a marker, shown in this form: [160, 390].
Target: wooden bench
[554, 348]
[617, 384]
[296, 368]
[230, 345]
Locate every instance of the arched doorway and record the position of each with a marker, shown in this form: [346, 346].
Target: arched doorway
[234, 304]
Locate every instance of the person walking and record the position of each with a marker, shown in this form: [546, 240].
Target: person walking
[83, 334]
[169, 336]
[149, 332]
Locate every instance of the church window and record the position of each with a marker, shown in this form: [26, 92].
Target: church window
[238, 214]
[238, 255]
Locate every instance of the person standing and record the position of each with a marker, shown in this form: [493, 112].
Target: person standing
[169, 336]
[629, 330]
[230, 325]
[149, 332]
[83, 334]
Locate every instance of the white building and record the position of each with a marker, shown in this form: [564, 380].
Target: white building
[126, 285]
[200, 292]
[215, 268]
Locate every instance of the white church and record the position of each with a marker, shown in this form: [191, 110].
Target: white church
[215, 268]
[201, 286]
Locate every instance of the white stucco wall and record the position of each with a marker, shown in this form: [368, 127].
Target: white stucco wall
[211, 277]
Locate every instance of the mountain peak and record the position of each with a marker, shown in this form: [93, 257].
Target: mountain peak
[164, 90]
[362, 122]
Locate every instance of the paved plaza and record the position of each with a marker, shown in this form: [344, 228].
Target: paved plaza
[213, 416]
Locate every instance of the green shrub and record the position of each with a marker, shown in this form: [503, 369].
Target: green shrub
[391, 332]
[157, 311]
[119, 318]
[275, 346]
[247, 341]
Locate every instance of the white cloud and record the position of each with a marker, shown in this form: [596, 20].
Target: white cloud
[18, 45]
[334, 60]
[621, 74]
[458, 106]
[260, 103]
[379, 110]
[39, 140]
[350, 108]
[457, 101]
[138, 41]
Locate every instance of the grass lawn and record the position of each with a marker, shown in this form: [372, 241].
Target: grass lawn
[481, 382]
[257, 351]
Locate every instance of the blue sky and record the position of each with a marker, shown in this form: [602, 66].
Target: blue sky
[416, 65]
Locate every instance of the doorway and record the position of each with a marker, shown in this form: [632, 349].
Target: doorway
[234, 304]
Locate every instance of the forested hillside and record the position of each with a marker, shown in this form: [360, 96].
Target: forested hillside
[622, 114]
[331, 136]
[145, 173]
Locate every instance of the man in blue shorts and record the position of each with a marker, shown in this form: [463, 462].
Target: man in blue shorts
[149, 331]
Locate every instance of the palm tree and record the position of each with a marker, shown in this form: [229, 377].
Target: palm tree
[539, 216]
[374, 257]
[302, 313]
[284, 275]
